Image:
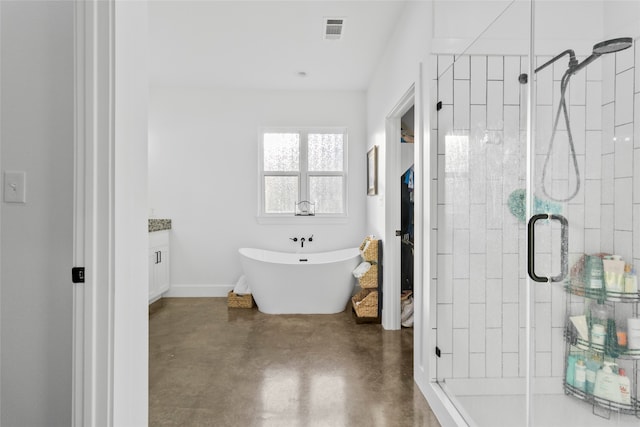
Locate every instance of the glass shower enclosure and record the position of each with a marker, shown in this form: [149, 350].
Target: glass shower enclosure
[537, 124]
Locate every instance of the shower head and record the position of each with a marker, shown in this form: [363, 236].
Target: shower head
[599, 49]
[613, 45]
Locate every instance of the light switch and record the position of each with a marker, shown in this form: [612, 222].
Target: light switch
[14, 187]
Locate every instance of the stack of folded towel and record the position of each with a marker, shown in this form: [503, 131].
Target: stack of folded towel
[362, 269]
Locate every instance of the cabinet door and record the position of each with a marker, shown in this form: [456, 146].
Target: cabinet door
[162, 270]
[153, 288]
[158, 263]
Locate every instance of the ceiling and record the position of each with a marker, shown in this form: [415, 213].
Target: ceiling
[266, 44]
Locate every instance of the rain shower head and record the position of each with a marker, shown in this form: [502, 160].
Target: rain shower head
[613, 45]
[599, 49]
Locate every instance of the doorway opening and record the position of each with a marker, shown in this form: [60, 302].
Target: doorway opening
[406, 216]
[398, 272]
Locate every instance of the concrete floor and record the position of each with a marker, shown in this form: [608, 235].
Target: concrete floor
[214, 366]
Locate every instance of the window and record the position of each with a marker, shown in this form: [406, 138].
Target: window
[299, 165]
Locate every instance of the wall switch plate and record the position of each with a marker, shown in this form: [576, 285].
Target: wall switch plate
[14, 187]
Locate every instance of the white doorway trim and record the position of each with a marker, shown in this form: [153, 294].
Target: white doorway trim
[93, 214]
[391, 256]
[110, 329]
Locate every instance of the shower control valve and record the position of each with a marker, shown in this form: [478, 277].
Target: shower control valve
[295, 239]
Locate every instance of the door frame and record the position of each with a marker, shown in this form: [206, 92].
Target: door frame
[92, 402]
[391, 272]
[110, 309]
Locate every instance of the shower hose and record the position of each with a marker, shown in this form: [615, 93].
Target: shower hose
[564, 83]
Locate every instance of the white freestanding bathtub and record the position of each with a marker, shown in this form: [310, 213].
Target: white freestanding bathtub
[306, 283]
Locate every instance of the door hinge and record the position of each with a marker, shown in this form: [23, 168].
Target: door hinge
[439, 106]
[77, 274]
[438, 351]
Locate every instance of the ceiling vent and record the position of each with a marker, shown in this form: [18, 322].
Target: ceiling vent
[333, 28]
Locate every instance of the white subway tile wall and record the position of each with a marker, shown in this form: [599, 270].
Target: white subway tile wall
[624, 97]
[480, 264]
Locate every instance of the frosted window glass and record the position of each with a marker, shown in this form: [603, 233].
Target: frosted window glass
[326, 192]
[325, 152]
[281, 152]
[280, 194]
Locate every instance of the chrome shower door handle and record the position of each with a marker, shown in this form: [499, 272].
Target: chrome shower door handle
[564, 249]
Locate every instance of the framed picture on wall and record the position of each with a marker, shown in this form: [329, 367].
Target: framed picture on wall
[372, 171]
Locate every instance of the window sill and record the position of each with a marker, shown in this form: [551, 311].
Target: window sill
[301, 220]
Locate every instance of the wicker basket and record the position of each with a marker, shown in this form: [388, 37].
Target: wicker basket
[365, 303]
[370, 278]
[239, 301]
[369, 252]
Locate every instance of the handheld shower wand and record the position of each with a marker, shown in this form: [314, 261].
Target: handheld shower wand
[599, 49]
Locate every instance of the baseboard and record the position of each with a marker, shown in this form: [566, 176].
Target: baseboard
[195, 291]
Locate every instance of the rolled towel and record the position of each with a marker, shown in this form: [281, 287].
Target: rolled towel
[361, 270]
[364, 247]
[242, 286]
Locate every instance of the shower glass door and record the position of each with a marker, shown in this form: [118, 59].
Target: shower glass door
[480, 251]
[538, 178]
[583, 205]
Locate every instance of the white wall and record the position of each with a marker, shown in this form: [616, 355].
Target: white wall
[37, 137]
[621, 18]
[396, 72]
[203, 174]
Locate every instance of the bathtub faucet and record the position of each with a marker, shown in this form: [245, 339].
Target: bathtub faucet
[302, 240]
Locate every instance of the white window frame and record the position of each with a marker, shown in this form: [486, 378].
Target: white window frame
[303, 176]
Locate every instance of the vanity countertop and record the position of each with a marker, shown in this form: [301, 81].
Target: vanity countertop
[159, 224]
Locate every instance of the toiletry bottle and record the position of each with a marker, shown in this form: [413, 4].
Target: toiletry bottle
[606, 386]
[621, 333]
[624, 385]
[592, 369]
[599, 314]
[571, 369]
[633, 333]
[611, 347]
[580, 380]
[598, 335]
[593, 272]
[630, 280]
[613, 267]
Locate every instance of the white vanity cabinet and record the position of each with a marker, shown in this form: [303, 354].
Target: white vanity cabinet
[159, 272]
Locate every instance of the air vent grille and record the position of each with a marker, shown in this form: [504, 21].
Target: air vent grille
[333, 28]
